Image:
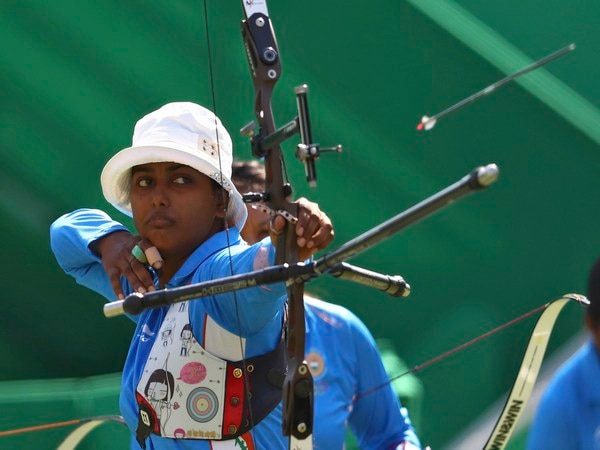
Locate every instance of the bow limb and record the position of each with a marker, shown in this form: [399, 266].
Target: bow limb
[528, 372]
[85, 426]
[263, 58]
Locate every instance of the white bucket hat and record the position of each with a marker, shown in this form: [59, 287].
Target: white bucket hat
[184, 133]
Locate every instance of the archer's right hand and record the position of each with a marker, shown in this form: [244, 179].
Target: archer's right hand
[115, 250]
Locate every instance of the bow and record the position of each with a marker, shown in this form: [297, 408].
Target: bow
[332, 263]
[263, 58]
[264, 61]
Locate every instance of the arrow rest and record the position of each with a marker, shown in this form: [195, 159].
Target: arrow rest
[307, 151]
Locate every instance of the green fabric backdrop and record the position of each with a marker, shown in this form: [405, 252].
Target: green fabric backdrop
[75, 76]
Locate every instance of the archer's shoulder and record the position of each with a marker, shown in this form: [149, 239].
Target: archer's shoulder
[86, 224]
[82, 215]
[571, 377]
[574, 369]
[335, 315]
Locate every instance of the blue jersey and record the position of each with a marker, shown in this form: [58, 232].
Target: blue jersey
[346, 365]
[341, 352]
[568, 416]
[251, 318]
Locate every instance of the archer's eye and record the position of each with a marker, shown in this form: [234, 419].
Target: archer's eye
[143, 182]
[182, 180]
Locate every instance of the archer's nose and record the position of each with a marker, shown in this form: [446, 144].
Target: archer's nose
[160, 198]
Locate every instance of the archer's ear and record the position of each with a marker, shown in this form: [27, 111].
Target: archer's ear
[221, 202]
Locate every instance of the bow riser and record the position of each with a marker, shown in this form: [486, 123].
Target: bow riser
[263, 58]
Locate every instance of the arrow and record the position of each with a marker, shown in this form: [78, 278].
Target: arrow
[427, 123]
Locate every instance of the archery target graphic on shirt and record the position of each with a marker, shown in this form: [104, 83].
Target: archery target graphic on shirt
[194, 407]
[202, 404]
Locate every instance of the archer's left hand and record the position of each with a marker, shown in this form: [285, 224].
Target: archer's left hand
[314, 230]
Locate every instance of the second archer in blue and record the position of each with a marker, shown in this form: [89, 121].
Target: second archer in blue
[351, 384]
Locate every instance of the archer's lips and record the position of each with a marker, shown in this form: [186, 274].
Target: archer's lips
[160, 221]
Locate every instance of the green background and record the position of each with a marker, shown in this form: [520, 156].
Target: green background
[75, 76]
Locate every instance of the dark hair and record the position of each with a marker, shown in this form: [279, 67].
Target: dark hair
[186, 327]
[248, 176]
[161, 376]
[593, 293]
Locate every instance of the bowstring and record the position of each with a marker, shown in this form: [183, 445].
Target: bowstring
[448, 353]
[248, 396]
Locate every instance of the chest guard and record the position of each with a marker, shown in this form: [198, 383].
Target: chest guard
[185, 392]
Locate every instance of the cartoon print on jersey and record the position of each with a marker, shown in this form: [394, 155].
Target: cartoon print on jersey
[186, 338]
[202, 404]
[159, 392]
[193, 373]
[166, 333]
[187, 398]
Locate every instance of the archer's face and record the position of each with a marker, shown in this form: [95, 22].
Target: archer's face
[175, 207]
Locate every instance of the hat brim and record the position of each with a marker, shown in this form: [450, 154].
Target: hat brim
[115, 177]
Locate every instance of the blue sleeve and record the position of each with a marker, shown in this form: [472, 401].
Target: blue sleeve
[552, 428]
[377, 420]
[70, 237]
[245, 311]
